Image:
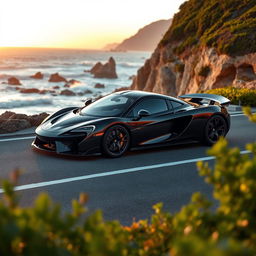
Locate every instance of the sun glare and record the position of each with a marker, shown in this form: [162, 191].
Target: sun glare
[77, 23]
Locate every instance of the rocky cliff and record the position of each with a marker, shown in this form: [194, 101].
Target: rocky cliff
[147, 38]
[211, 44]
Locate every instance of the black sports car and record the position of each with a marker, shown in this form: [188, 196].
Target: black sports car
[133, 119]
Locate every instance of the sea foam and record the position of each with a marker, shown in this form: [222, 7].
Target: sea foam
[24, 103]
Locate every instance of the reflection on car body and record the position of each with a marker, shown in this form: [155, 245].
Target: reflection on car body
[131, 120]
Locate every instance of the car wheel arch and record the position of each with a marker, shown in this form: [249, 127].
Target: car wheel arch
[203, 138]
[223, 116]
[115, 124]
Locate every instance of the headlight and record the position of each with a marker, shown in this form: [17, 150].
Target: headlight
[87, 130]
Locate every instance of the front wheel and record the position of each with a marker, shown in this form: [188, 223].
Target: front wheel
[116, 141]
[215, 127]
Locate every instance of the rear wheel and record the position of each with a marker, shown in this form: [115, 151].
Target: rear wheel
[116, 141]
[215, 127]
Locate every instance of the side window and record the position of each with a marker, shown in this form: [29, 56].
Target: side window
[153, 106]
[175, 104]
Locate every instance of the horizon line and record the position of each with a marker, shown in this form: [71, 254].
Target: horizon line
[63, 48]
[53, 47]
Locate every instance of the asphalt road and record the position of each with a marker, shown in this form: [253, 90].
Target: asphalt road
[124, 188]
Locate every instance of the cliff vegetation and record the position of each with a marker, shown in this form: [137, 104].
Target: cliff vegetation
[228, 25]
[210, 45]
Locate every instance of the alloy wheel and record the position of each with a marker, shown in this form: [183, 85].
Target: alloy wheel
[116, 141]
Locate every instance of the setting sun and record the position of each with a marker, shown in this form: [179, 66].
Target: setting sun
[77, 24]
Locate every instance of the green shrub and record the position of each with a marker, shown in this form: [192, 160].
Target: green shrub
[191, 41]
[246, 97]
[227, 25]
[197, 229]
[204, 71]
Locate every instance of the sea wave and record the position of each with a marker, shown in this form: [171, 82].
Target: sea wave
[130, 64]
[88, 63]
[28, 59]
[69, 64]
[24, 103]
[20, 77]
[44, 66]
[26, 66]
[12, 67]
[4, 76]
[23, 63]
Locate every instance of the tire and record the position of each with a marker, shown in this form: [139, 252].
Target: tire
[215, 127]
[116, 141]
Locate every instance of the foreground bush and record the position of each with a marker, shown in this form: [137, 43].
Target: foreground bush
[246, 97]
[197, 229]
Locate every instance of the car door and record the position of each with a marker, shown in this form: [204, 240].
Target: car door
[154, 128]
[180, 118]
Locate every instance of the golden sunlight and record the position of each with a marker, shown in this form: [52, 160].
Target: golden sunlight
[77, 23]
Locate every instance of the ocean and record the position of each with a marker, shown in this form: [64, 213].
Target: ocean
[69, 63]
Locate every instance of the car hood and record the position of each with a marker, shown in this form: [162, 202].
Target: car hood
[64, 123]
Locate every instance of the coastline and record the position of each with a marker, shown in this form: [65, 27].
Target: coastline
[33, 96]
[12, 122]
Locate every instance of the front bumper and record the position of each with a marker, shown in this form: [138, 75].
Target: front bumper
[74, 146]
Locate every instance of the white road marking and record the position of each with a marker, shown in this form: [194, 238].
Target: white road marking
[32, 137]
[234, 115]
[111, 173]
[15, 139]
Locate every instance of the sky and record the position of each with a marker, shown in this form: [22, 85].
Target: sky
[85, 24]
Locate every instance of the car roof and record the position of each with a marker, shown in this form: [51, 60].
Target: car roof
[142, 94]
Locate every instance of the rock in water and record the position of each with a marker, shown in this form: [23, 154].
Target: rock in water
[121, 89]
[67, 93]
[96, 67]
[87, 91]
[13, 125]
[72, 83]
[56, 78]
[13, 81]
[36, 120]
[99, 86]
[12, 122]
[37, 75]
[108, 70]
[30, 90]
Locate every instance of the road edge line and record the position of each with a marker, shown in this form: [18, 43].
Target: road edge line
[112, 173]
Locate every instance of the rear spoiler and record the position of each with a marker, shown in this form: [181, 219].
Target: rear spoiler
[212, 98]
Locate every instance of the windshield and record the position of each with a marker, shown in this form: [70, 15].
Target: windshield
[111, 105]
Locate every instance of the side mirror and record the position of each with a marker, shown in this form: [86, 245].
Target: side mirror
[143, 113]
[88, 102]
